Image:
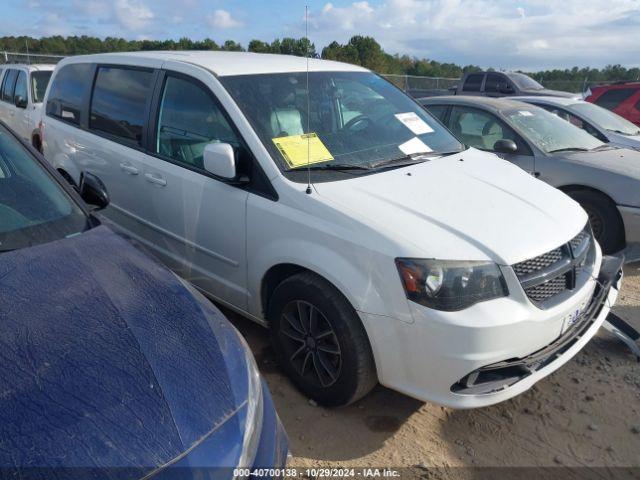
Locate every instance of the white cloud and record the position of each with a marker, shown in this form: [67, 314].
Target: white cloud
[223, 19]
[133, 14]
[537, 33]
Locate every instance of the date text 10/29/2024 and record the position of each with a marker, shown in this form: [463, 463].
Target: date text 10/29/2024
[316, 473]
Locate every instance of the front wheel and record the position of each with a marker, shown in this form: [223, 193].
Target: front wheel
[604, 219]
[320, 341]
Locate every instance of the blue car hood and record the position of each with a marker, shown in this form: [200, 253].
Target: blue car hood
[108, 360]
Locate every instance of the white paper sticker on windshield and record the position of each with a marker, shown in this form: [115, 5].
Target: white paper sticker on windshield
[525, 113]
[415, 145]
[414, 123]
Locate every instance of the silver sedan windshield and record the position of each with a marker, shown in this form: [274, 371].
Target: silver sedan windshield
[549, 132]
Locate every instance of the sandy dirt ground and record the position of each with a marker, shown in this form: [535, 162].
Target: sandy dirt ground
[586, 414]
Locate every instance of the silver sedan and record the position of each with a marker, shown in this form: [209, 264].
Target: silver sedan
[604, 179]
[601, 123]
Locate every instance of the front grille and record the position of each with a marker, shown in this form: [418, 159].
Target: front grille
[538, 263]
[550, 274]
[546, 290]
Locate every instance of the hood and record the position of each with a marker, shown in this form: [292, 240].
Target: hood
[551, 93]
[469, 206]
[108, 360]
[622, 161]
[629, 141]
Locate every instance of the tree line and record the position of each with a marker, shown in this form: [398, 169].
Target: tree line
[359, 50]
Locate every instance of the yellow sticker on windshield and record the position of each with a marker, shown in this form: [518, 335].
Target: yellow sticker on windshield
[298, 150]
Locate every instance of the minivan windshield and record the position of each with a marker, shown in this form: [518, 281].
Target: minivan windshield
[549, 132]
[525, 82]
[355, 120]
[34, 209]
[604, 118]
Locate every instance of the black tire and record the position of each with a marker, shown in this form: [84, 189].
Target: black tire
[604, 218]
[334, 368]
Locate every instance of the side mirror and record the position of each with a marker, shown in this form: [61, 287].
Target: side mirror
[20, 101]
[505, 88]
[505, 146]
[220, 160]
[93, 191]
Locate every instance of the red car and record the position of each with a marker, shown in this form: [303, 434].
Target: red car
[621, 98]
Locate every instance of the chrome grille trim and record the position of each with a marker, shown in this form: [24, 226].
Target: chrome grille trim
[547, 275]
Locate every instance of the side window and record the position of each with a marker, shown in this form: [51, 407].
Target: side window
[189, 119]
[493, 82]
[612, 98]
[118, 103]
[68, 91]
[438, 111]
[473, 82]
[21, 86]
[482, 130]
[8, 84]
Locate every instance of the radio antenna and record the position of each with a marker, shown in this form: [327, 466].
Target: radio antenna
[306, 47]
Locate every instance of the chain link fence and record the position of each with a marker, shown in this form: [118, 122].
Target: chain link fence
[417, 85]
[28, 58]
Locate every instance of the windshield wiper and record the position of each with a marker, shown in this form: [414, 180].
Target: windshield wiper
[332, 166]
[569, 149]
[624, 133]
[411, 159]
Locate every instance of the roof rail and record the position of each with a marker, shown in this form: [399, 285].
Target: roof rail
[28, 58]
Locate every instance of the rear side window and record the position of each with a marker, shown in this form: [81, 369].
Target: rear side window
[612, 98]
[473, 82]
[8, 84]
[493, 82]
[68, 91]
[188, 120]
[21, 86]
[119, 103]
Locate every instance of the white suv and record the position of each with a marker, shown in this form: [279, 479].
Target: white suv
[22, 88]
[442, 272]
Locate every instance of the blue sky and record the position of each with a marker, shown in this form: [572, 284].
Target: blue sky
[527, 34]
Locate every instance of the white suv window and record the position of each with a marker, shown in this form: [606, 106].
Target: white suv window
[189, 119]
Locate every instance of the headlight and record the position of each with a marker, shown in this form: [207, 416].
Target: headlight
[450, 285]
[253, 419]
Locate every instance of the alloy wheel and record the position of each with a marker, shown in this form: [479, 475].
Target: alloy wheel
[310, 343]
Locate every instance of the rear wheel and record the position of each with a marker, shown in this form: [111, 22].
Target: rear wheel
[604, 218]
[320, 341]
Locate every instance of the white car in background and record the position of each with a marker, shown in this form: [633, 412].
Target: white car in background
[22, 88]
[442, 272]
[603, 124]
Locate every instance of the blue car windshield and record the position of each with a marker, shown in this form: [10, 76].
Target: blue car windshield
[354, 119]
[34, 209]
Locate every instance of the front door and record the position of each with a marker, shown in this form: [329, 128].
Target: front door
[481, 129]
[199, 221]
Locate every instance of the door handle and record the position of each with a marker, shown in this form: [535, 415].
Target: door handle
[536, 174]
[154, 179]
[130, 169]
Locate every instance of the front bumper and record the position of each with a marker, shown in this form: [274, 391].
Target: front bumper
[631, 220]
[437, 357]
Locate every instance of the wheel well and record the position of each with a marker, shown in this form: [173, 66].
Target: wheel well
[577, 188]
[574, 188]
[274, 277]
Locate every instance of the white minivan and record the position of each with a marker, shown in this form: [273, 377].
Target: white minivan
[321, 201]
[22, 88]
